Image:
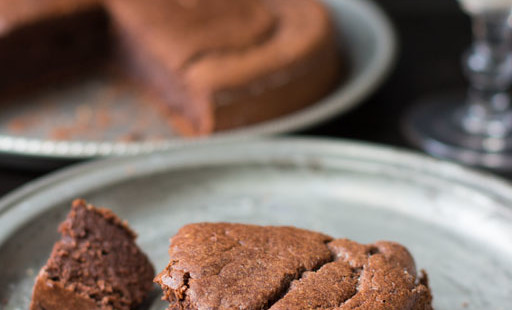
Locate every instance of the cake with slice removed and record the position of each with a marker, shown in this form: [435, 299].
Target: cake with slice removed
[234, 266]
[213, 65]
[223, 64]
[95, 265]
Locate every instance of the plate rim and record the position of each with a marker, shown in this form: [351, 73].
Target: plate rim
[15, 207]
[355, 92]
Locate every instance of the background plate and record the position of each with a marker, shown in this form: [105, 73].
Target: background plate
[78, 110]
[457, 223]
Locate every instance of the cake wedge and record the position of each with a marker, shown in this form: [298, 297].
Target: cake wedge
[95, 265]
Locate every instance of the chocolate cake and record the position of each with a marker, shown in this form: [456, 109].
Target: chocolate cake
[46, 38]
[222, 64]
[95, 265]
[234, 266]
[215, 65]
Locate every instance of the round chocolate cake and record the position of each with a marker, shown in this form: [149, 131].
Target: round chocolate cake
[213, 65]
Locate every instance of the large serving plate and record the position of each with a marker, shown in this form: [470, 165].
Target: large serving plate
[457, 223]
[95, 116]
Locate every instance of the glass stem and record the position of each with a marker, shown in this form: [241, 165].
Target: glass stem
[488, 66]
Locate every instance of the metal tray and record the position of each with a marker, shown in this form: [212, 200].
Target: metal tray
[93, 117]
[457, 223]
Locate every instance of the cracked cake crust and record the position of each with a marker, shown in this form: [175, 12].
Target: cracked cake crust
[235, 266]
[229, 266]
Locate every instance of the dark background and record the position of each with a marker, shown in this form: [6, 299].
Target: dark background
[432, 36]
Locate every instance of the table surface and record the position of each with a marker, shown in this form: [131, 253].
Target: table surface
[432, 36]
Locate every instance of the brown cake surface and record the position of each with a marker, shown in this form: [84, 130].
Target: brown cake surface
[49, 38]
[222, 64]
[95, 265]
[235, 266]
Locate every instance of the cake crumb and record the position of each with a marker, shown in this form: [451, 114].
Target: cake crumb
[29, 272]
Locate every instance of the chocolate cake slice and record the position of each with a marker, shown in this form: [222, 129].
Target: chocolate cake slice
[226, 63]
[95, 265]
[234, 266]
[49, 38]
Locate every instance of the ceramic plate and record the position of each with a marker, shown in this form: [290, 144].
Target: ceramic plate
[457, 223]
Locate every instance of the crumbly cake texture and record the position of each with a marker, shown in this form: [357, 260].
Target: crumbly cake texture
[95, 265]
[235, 266]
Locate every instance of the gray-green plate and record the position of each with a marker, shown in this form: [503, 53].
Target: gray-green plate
[79, 110]
[457, 223]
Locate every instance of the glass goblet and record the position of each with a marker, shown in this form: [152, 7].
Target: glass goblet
[474, 129]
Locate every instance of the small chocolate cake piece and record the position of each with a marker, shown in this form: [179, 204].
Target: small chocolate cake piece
[49, 38]
[226, 63]
[95, 265]
[234, 266]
